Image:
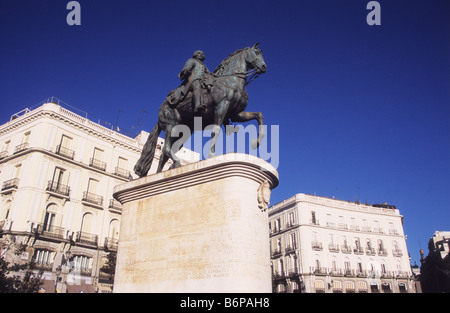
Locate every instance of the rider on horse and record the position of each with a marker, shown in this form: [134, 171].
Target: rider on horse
[195, 74]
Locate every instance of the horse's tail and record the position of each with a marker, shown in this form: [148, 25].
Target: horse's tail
[148, 152]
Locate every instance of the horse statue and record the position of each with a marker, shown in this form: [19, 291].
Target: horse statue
[226, 101]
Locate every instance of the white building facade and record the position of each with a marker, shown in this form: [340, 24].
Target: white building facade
[57, 175]
[321, 244]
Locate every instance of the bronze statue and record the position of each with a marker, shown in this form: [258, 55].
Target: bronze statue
[225, 100]
[196, 75]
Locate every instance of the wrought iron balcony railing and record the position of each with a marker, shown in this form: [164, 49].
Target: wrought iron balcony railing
[122, 172]
[92, 198]
[58, 188]
[10, 184]
[66, 152]
[86, 238]
[97, 164]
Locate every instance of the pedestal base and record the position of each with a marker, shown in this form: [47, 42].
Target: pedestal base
[202, 227]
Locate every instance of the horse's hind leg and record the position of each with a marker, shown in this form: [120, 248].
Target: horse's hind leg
[162, 161]
[171, 146]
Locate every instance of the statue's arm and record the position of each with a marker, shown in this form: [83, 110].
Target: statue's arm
[187, 69]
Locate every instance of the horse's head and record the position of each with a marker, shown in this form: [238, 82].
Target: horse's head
[255, 59]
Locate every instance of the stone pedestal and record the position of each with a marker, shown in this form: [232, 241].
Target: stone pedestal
[202, 227]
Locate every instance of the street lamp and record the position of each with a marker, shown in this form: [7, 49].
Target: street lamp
[58, 274]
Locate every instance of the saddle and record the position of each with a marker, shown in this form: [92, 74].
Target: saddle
[179, 94]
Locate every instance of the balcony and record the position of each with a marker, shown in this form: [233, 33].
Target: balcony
[316, 245]
[319, 271]
[21, 147]
[349, 272]
[60, 189]
[337, 272]
[289, 249]
[382, 252]
[97, 164]
[358, 250]
[354, 227]
[378, 230]
[278, 275]
[49, 231]
[92, 198]
[86, 238]
[366, 229]
[333, 247]
[122, 172]
[3, 154]
[361, 273]
[111, 243]
[346, 249]
[65, 152]
[115, 206]
[370, 251]
[276, 254]
[397, 252]
[11, 184]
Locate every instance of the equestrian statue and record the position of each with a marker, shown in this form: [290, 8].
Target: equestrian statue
[218, 98]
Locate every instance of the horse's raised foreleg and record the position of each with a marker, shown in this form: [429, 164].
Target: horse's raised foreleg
[248, 116]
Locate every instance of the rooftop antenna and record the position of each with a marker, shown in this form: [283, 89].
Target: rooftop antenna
[140, 119]
[116, 126]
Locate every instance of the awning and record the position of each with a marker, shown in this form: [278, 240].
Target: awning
[82, 288]
[362, 286]
[349, 285]
[319, 285]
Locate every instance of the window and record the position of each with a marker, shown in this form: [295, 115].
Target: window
[359, 267]
[64, 147]
[81, 262]
[114, 229]
[333, 265]
[97, 160]
[291, 220]
[92, 186]
[49, 221]
[347, 266]
[313, 218]
[86, 225]
[292, 241]
[42, 257]
[121, 168]
[383, 268]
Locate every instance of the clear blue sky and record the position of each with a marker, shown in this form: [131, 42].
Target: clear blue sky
[364, 111]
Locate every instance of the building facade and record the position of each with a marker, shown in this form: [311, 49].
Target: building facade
[57, 174]
[321, 244]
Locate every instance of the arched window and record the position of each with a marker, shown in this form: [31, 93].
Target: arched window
[114, 229]
[86, 225]
[50, 217]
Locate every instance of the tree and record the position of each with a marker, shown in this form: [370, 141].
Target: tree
[110, 265]
[19, 278]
